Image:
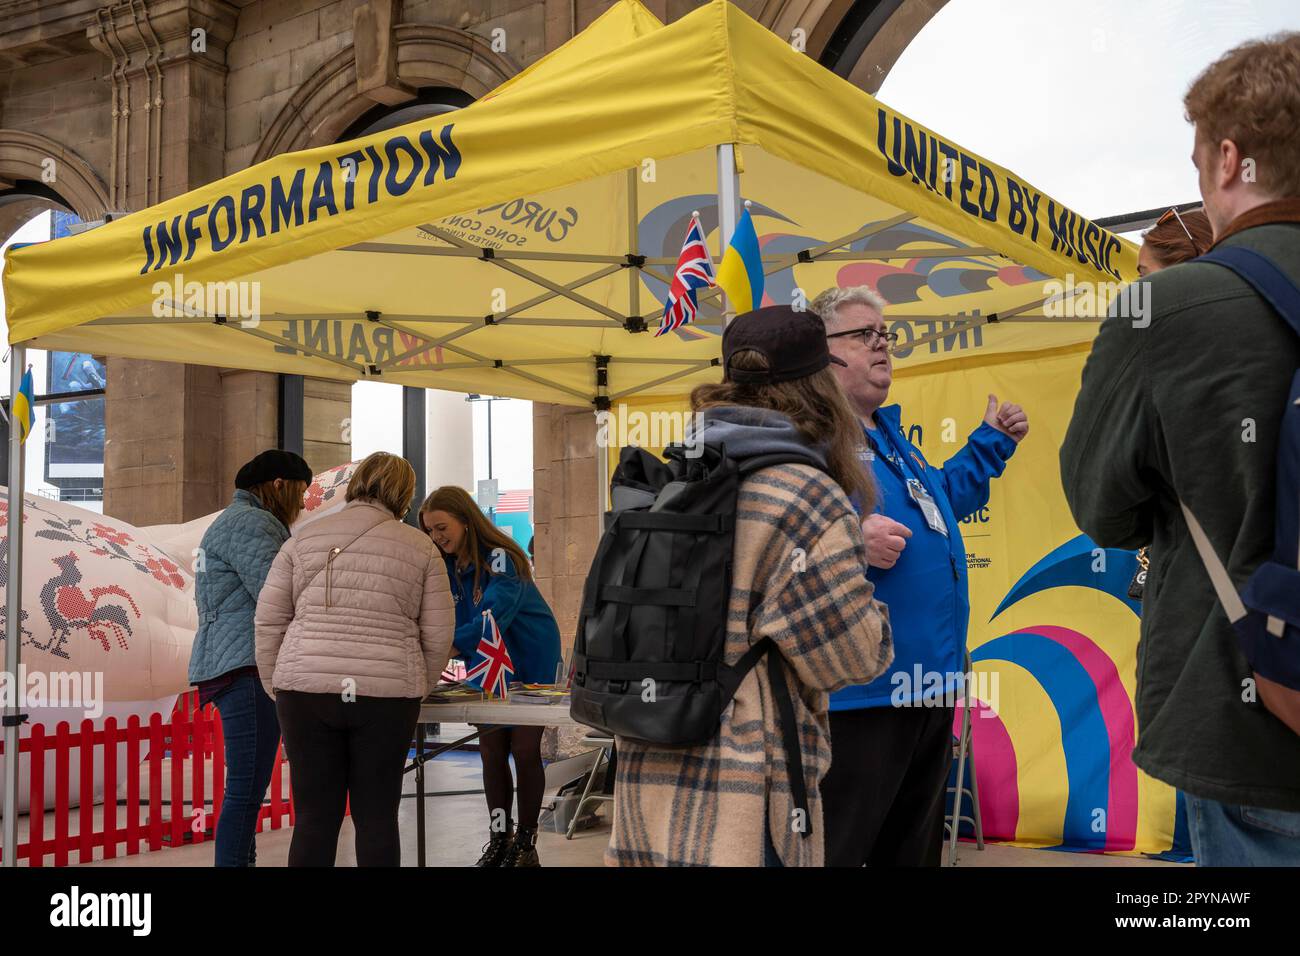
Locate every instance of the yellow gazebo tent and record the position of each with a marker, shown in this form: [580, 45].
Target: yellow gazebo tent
[523, 245]
[570, 188]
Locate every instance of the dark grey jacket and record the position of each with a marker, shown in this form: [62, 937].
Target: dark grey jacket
[1190, 407]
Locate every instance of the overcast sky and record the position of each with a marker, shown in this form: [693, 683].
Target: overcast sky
[1084, 100]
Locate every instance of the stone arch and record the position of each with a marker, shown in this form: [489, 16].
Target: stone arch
[23, 156]
[328, 101]
[861, 40]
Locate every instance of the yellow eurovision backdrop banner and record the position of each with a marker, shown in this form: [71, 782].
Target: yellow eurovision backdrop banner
[1053, 634]
[524, 245]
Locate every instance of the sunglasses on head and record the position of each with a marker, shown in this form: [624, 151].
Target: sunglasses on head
[1172, 213]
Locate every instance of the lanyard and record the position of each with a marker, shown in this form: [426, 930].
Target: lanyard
[885, 448]
[914, 482]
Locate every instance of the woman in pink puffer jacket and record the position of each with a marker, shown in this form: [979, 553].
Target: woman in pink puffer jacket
[354, 625]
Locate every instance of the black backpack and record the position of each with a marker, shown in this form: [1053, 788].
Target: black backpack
[648, 658]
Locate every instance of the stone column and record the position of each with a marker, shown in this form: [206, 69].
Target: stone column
[566, 521]
[163, 454]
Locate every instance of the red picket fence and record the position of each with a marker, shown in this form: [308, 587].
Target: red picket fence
[163, 816]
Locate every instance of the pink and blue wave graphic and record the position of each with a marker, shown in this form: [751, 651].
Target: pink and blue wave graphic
[1098, 725]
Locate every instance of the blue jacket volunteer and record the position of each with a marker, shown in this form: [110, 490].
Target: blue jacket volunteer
[925, 590]
[527, 625]
[883, 799]
[489, 571]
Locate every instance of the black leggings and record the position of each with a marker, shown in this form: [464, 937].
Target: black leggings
[340, 751]
[495, 748]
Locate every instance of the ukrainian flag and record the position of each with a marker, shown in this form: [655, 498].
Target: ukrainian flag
[24, 405]
[741, 271]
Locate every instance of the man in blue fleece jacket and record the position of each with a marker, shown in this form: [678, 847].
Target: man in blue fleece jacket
[883, 800]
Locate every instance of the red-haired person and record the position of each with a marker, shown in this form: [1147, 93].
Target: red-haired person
[1184, 408]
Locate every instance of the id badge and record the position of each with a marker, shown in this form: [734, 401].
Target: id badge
[928, 508]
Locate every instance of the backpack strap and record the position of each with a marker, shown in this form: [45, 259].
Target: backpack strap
[1263, 275]
[790, 734]
[731, 679]
[1227, 594]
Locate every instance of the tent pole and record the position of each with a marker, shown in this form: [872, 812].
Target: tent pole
[728, 210]
[14, 612]
[633, 223]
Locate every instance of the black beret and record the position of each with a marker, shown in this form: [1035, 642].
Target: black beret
[270, 465]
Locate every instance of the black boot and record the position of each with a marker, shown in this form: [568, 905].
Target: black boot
[523, 849]
[497, 847]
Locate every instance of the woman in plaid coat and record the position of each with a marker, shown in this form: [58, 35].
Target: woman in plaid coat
[798, 578]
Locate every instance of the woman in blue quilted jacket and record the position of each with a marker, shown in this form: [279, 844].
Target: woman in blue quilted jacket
[232, 563]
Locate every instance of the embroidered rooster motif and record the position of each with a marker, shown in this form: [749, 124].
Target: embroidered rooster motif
[70, 609]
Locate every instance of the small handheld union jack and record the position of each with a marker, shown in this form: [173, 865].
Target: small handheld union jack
[489, 672]
[694, 271]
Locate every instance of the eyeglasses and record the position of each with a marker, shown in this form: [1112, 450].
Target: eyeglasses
[1172, 213]
[869, 336]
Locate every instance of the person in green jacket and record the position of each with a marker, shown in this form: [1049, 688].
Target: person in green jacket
[1184, 404]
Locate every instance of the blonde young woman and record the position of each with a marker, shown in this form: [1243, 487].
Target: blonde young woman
[729, 802]
[237, 550]
[489, 572]
[354, 626]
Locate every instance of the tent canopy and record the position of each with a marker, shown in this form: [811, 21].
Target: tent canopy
[524, 243]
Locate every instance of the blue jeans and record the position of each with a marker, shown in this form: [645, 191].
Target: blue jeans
[1225, 834]
[252, 733]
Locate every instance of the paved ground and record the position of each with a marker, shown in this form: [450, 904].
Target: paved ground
[457, 829]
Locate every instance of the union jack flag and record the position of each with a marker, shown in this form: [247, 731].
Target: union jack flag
[694, 271]
[489, 672]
